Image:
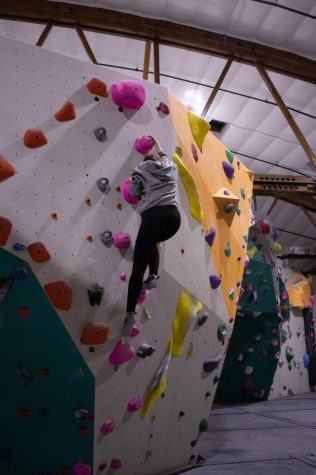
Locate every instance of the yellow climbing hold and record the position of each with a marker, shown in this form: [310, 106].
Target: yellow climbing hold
[190, 189]
[186, 311]
[277, 247]
[252, 252]
[189, 351]
[199, 128]
[159, 382]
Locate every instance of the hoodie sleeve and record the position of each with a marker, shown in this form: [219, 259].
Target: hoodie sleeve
[136, 187]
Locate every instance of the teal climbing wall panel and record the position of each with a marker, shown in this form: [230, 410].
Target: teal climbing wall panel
[44, 383]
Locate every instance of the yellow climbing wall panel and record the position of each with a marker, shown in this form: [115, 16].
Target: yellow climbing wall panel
[210, 178]
[299, 290]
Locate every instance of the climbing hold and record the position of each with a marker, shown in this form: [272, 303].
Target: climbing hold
[121, 353]
[215, 281]
[34, 138]
[190, 189]
[142, 296]
[94, 334]
[186, 310]
[289, 353]
[181, 414]
[100, 134]
[249, 385]
[194, 152]
[118, 189]
[24, 374]
[191, 458]
[199, 128]
[89, 238]
[146, 312]
[251, 252]
[210, 365]
[81, 468]
[116, 463]
[107, 427]
[247, 260]
[23, 312]
[135, 404]
[190, 351]
[95, 293]
[102, 466]
[97, 87]
[106, 238]
[88, 201]
[238, 211]
[21, 273]
[277, 247]
[193, 443]
[227, 250]
[128, 94]
[203, 425]
[248, 370]
[231, 294]
[121, 240]
[229, 170]
[158, 383]
[240, 358]
[202, 319]
[54, 216]
[123, 277]
[38, 252]
[226, 204]
[83, 414]
[230, 156]
[147, 455]
[144, 144]
[207, 394]
[5, 230]
[104, 185]
[210, 236]
[306, 361]
[6, 169]
[85, 431]
[257, 337]
[264, 226]
[274, 234]
[23, 413]
[229, 208]
[145, 350]
[67, 112]
[259, 394]
[128, 198]
[163, 108]
[221, 333]
[19, 247]
[60, 294]
[243, 193]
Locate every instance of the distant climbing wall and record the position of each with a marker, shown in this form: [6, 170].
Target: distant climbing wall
[67, 229]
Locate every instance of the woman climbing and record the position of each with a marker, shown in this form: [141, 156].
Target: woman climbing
[154, 184]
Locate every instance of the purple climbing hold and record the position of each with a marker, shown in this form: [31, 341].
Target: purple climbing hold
[202, 319]
[194, 152]
[215, 281]
[81, 468]
[228, 169]
[229, 208]
[107, 427]
[210, 236]
[116, 463]
[135, 404]
[19, 247]
[210, 365]
[226, 193]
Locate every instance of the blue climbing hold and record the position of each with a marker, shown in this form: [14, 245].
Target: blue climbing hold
[19, 247]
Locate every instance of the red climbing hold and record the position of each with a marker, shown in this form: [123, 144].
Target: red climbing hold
[97, 87]
[60, 294]
[38, 252]
[5, 230]
[265, 226]
[34, 138]
[94, 334]
[67, 112]
[6, 169]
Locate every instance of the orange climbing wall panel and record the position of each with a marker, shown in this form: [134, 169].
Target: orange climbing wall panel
[210, 178]
[299, 289]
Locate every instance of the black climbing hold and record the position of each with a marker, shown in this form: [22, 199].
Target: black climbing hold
[207, 394]
[181, 414]
[5, 286]
[145, 350]
[103, 184]
[106, 238]
[95, 294]
[100, 134]
[193, 443]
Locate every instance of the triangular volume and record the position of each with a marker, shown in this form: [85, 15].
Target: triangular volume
[250, 174]
[226, 203]
[199, 128]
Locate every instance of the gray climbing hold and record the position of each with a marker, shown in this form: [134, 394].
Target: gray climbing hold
[95, 294]
[103, 184]
[106, 238]
[100, 134]
[145, 350]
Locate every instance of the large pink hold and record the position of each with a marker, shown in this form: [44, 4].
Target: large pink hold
[126, 195]
[121, 353]
[128, 94]
[116, 463]
[107, 427]
[121, 240]
[142, 296]
[81, 468]
[135, 404]
[144, 144]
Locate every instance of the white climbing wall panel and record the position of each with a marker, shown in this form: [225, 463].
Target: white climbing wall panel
[58, 178]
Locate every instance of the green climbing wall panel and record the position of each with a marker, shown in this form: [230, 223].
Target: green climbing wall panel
[44, 382]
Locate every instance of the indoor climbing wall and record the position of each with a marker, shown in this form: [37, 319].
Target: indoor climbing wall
[72, 134]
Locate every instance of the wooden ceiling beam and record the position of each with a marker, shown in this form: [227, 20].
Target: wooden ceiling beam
[216, 88]
[44, 34]
[146, 59]
[167, 33]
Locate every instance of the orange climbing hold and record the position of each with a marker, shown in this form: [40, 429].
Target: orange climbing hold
[34, 138]
[94, 334]
[97, 87]
[23, 312]
[5, 230]
[38, 252]
[6, 169]
[67, 112]
[60, 294]
[88, 201]
[54, 216]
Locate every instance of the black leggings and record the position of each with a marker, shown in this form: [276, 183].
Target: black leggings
[158, 224]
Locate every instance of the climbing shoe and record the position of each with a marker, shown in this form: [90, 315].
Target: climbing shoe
[151, 282]
[128, 323]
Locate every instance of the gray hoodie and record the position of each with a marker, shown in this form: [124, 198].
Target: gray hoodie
[154, 184]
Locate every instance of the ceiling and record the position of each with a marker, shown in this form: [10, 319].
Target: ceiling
[255, 126]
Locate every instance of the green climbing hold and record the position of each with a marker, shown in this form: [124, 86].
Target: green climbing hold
[230, 156]
[221, 332]
[289, 353]
[245, 238]
[243, 193]
[238, 210]
[203, 425]
[215, 379]
[227, 250]
[231, 294]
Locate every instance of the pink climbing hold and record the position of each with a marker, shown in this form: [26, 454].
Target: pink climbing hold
[241, 292]
[143, 144]
[134, 331]
[116, 463]
[81, 468]
[121, 240]
[247, 260]
[135, 404]
[121, 353]
[128, 94]
[127, 197]
[194, 152]
[142, 296]
[107, 427]
[123, 277]
[265, 226]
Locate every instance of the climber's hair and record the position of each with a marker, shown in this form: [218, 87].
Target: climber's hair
[152, 155]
